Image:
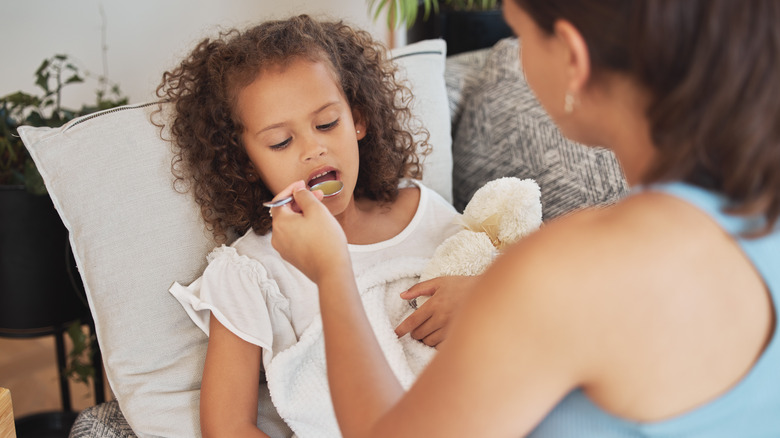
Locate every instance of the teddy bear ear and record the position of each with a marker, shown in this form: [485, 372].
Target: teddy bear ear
[526, 214]
[506, 208]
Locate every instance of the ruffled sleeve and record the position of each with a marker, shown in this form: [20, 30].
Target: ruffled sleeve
[238, 292]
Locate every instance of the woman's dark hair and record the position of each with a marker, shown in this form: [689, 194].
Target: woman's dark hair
[711, 68]
[207, 132]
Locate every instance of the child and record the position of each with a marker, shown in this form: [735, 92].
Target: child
[258, 114]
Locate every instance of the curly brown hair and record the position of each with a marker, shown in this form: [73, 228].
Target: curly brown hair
[711, 68]
[206, 131]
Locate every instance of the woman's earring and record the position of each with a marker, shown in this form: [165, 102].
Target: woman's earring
[358, 131]
[568, 103]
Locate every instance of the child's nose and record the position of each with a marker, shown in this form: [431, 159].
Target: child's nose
[313, 149]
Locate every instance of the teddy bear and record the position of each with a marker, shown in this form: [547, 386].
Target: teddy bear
[500, 213]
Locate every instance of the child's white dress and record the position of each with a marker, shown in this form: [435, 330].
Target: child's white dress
[264, 300]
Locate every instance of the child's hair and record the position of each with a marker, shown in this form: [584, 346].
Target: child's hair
[711, 69]
[207, 133]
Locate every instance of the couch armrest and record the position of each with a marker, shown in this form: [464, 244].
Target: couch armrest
[103, 420]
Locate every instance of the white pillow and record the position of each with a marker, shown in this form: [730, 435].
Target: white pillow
[133, 235]
[423, 63]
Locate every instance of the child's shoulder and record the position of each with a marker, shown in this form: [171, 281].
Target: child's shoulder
[415, 199]
[254, 245]
[430, 210]
[409, 197]
[422, 195]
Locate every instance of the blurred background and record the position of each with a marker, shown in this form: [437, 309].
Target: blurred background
[140, 39]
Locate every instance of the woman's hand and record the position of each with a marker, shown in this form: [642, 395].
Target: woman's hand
[430, 322]
[307, 235]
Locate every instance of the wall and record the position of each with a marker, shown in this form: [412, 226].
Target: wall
[143, 37]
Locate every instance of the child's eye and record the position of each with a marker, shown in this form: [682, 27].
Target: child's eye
[328, 126]
[281, 145]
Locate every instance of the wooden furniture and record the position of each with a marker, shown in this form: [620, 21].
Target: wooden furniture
[7, 429]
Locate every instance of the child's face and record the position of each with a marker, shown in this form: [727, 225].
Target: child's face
[299, 126]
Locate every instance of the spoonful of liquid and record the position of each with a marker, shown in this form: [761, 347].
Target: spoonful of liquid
[328, 188]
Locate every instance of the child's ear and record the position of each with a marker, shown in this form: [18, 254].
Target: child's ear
[360, 124]
[251, 173]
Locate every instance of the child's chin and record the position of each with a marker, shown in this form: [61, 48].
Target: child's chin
[336, 205]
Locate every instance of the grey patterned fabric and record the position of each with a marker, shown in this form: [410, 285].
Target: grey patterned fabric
[503, 131]
[460, 77]
[103, 420]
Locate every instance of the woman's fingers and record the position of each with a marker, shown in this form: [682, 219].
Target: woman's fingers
[309, 237]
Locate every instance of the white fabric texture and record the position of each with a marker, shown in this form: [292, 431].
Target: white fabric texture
[109, 176]
[267, 302]
[297, 377]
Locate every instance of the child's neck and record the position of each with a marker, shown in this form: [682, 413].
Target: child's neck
[366, 221]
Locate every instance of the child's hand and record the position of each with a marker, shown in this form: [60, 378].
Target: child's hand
[307, 235]
[430, 322]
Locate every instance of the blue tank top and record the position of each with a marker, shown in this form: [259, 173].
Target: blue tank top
[749, 409]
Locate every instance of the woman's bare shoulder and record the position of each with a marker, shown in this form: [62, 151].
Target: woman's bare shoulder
[608, 231]
[646, 221]
[583, 269]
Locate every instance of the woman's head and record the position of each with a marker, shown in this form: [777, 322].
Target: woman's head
[709, 69]
[211, 134]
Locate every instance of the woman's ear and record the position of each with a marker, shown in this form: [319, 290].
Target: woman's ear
[578, 57]
[360, 124]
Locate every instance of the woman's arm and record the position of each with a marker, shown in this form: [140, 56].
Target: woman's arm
[511, 356]
[229, 390]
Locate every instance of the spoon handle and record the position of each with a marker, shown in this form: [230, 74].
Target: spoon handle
[278, 203]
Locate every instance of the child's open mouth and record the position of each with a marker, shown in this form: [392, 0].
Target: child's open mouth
[322, 177]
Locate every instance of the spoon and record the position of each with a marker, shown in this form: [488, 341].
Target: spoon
[328, 188]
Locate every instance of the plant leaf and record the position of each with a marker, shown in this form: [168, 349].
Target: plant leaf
[411, 10]
[75, 79]
[33, 181]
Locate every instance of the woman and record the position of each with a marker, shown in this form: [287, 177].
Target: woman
[654, 317]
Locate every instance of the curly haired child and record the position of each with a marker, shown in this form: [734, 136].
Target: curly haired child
[261, 113]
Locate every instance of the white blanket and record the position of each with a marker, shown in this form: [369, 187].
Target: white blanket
[297, 377]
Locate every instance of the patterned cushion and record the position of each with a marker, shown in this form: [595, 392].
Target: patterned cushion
[503, 131]
[460, 76]
[103, 420]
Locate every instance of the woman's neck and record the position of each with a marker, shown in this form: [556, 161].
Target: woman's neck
[626, 130]
[634, 150]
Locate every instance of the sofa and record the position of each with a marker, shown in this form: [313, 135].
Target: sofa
[133, 233]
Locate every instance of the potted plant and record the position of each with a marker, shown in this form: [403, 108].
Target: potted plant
[40, 291]
[465, 24]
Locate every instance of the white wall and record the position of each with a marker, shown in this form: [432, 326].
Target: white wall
[144, 37]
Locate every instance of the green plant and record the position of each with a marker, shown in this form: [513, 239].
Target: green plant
[18, 169]
[79, 362]
[44, 109]
[405, 11]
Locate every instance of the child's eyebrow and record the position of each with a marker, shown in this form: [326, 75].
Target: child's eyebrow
[324, 107]
[281, 124]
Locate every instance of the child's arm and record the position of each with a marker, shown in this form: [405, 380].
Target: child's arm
[430, 322]
[229, 390]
